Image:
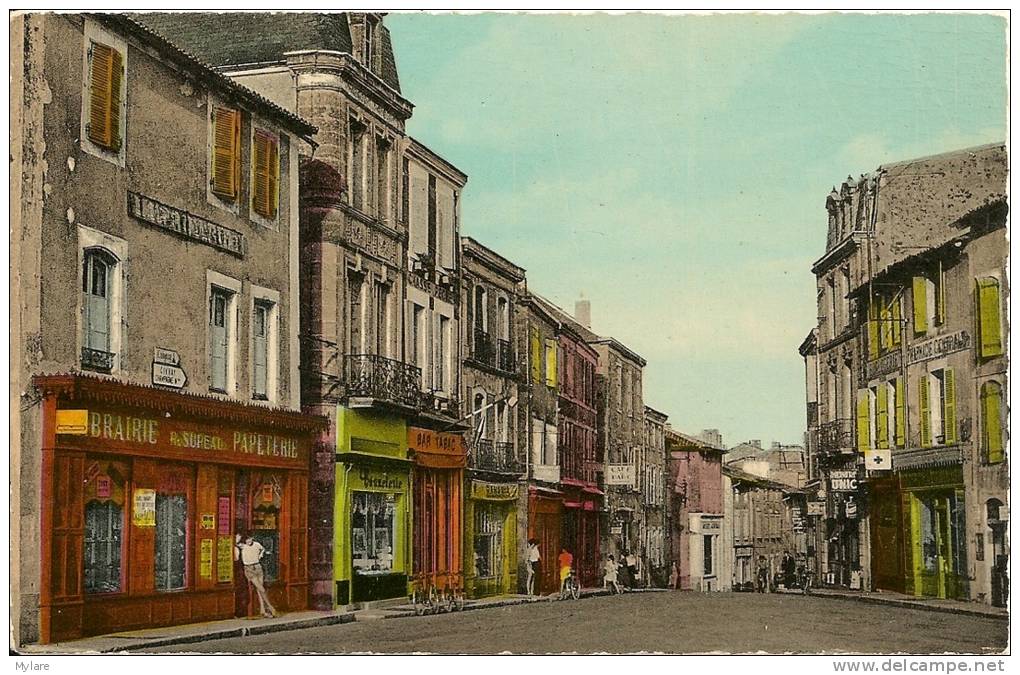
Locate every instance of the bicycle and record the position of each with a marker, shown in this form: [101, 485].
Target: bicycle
[571, 587]
[432, 595]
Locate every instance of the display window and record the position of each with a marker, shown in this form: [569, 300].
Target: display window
[104, 525]
[266, 500]
[488, 539]
[172, 538]
[372, 532]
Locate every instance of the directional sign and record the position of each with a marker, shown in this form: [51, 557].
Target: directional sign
[166, 356]
[169, 376]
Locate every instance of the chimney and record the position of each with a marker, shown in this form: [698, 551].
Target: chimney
[582, 312]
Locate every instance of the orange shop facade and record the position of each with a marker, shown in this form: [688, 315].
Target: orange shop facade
[143, 492]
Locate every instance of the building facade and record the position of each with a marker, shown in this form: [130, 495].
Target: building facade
[172, 394]
[653, 493]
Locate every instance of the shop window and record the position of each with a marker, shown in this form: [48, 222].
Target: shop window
[372, 532]
[98, 276]
[488, 539]
[104, 523]
[171, 541]
[266, 501]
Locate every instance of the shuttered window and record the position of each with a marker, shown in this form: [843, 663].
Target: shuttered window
[900, 412]
[949, 406]
[265, 193]
[920, 302]
[881, 416]
[923, 401]
[226, 152]
[991, 422]
[219, 335]
[97, 297]
[863, 419]
[550, 363]
[989, 317]
[106, 77]
[536, 356]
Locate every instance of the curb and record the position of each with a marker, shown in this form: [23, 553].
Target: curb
[400, 614]
[895, 602]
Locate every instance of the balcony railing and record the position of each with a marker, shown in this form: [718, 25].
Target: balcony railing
[95, 359]
[382, 379]
[836, 436]
[505, 352]
[492, 352]
[487, 455]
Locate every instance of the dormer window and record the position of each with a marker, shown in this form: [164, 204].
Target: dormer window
[368, 51]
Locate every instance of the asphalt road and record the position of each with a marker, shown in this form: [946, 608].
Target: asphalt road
[647, 622]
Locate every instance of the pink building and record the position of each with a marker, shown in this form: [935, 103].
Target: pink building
[696, 513]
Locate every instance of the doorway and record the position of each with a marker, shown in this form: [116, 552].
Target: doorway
[937, 553]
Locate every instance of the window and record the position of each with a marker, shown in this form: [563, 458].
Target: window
[171, 541]
[488, 539]
[382, 310]
[416, 352]
[265, 189]
[432, 218]
[481, 315]
[845, 296]
[226, 153]
[503, 317]
[442, 352]
[104, 526]
[405, 191]
[479, 417]
[220, 301]
[929, 301]
[382, 178]
[372, 530]
[989, 312]
[105, 92]
[97, 298]
[549, 456]
[709, 569]
[261, 327]
[538, 440]
[357, 163]
[368, 49]
[355, 319]
[937, 399]
[896, 412]
[863, 419]
[885, 323]
[833, 315]
[550, 363]
[536, 355]
[992, 442]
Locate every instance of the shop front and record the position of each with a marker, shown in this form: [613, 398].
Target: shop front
[843, 544]
[580, 536]
[935, 515]
[143, 494]
[439, 460]
[372, 507]
[545, 525]
[490, 519]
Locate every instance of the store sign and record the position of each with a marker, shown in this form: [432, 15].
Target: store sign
[143, 512]
[884, 365]
[620, 474]
[816, 508]
[699, 524]
[493, 491]
[938, 347]
[73, 422]
[372, 479]
[434, 442]
[843, 481]
[185, 224]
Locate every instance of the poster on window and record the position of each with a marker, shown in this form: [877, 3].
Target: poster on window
[143, 512]
[223, 515]
[205, 561]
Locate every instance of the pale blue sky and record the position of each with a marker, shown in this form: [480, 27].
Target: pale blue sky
[674, 169]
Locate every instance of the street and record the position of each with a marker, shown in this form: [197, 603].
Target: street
[647, 622]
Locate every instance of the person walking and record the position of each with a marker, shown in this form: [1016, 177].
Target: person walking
[250, 553]
[632, 570]
[763, 574]
[674, 575]
[610, 577]
[533, 561]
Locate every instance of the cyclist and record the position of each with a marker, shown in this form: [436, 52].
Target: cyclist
[566, 561]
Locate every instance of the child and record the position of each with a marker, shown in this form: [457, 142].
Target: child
[611, 575]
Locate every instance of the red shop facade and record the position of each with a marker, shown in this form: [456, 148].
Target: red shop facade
[143, 492]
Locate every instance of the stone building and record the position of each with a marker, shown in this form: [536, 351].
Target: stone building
[653, 493]
[155, 314]
[490, 292]
[921, 399]
[380, 273]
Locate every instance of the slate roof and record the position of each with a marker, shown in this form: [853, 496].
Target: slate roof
[248, 38]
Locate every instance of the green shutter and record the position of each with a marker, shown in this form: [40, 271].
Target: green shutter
[991, 409]
[896, 326]
[949, 406]
[901, 414]
[872, 331]
[989, 324]
[536, 357]
[882, 416]
[922, 397]
[863, 420]
[920, 305]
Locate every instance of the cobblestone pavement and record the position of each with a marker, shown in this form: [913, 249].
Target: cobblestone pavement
[657, 622]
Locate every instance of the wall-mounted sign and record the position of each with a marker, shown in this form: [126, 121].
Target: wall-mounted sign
[185, 224]
[884, 365]
[816, 508]
[616, 530]
[878, 460]
[937, 347]
[620, 474]
[851, 509]
[168, 376]
[166, 356]
[73, 422]
[493, 491]
[143, 512]
[843, 481]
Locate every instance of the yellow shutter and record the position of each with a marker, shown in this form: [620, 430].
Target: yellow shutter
[989, 324]
[274, 178]
[863, 420]
[901, 414]
[226, 159]
[105, 80]
[872, 330]
[265, 174]
[920, 305]
[881, 416]
[550, 363]
[896, 320]
[536, 357]
[922, 398]
[991, 409]
[949, 406]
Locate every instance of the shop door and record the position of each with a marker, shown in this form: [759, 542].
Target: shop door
[547, 532]
[886, 541]
[933, 565]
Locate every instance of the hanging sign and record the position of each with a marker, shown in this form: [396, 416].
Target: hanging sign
[816, 508]
[143, 513]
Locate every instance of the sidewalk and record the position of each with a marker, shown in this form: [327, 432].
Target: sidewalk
[903, 600]
[195, 632]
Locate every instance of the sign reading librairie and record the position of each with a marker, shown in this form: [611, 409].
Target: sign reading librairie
[620, 474]
[185, 224]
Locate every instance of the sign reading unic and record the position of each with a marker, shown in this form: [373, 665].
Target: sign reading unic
[843, 481]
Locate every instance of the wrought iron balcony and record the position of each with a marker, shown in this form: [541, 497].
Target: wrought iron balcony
[382, 379]
[505, 352]
[836, 436]
[483, 349]
[497, 456]
[95, 359]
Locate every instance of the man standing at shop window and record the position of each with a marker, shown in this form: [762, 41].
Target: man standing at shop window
[250, 553]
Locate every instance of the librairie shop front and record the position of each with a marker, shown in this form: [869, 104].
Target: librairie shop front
[143, 492]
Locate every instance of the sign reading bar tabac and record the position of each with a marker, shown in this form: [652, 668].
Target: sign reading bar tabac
[434, 442]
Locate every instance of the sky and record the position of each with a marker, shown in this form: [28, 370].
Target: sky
[673, 169]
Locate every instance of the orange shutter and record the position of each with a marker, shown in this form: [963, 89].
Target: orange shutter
[266, 170]
[105, 79]
[226, 159]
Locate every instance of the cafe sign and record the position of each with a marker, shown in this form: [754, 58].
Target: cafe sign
[434, 442]
[493, 491]
[938, 347]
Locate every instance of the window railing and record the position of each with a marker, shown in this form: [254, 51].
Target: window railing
[483, 350]
[505, 361]
[383, 379]
[95, 359]
[497, 456]
[836, 436]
